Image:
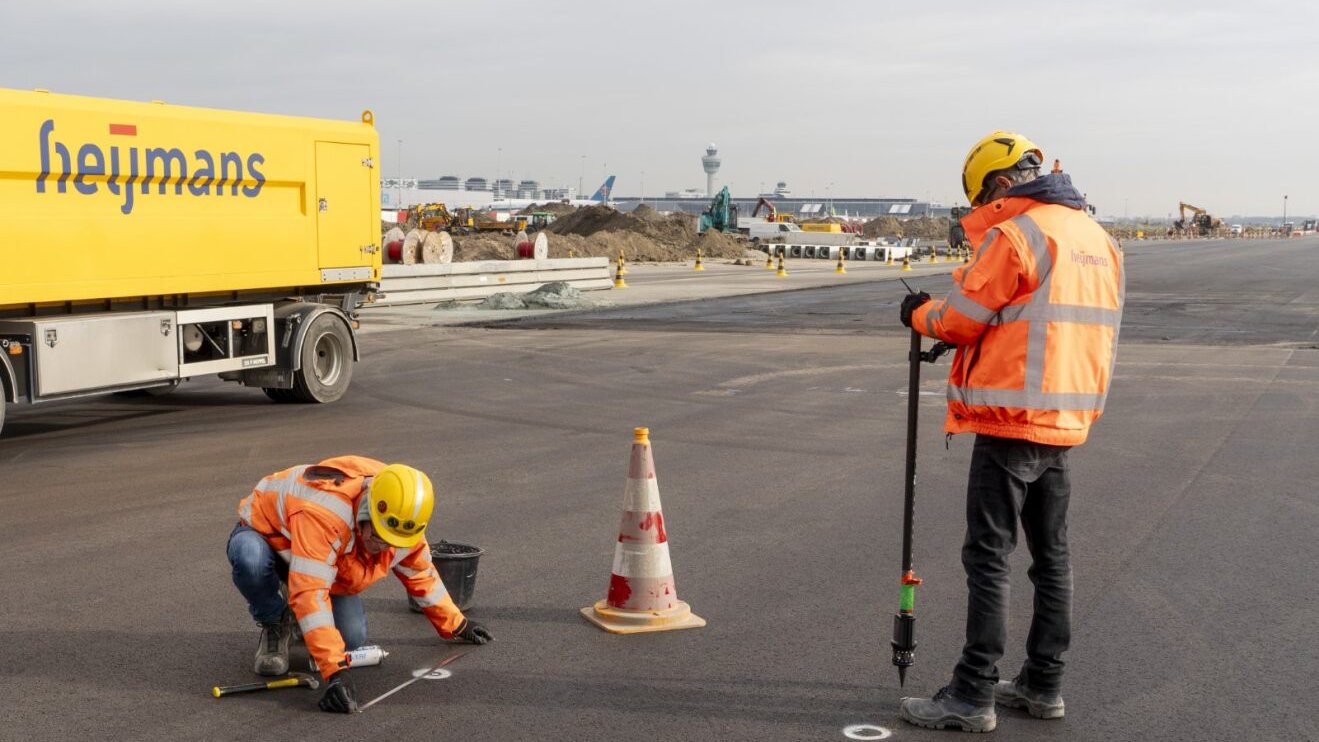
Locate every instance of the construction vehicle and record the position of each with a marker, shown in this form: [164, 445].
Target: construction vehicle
[956, 234]
[1201, 222]
[720, 215]
[433, 217]
[511, 225]
[772, 213]
[191, 242]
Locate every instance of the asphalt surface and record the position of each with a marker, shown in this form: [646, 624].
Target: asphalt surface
[778, 426]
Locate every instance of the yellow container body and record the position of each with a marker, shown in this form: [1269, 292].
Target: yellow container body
[105, 199]
[821, 228]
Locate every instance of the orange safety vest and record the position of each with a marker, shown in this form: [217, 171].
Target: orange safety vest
[308, 516]
[1035, 319]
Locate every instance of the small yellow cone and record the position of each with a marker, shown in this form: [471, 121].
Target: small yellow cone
[888, 256]
[934, 254]
[906, 264]
[622, 264]
[698, 266]
[619, 283]
[769, 258]
[840, 270]
[782, 272]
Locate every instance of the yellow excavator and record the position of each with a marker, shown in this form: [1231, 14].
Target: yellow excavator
[1201, 222]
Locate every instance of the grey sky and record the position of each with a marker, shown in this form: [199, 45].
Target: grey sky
[1146, 103]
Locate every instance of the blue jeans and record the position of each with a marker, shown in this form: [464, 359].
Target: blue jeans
[1015, 482]
[259, 574]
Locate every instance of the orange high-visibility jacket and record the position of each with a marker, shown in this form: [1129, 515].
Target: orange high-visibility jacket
[1035, 319]
[308, 515]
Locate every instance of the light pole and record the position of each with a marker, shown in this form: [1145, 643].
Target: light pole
[499, 164]
[400, 174]
[643, 186]
[1284, 210]
[580, 175]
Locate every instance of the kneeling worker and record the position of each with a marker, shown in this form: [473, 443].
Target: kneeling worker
[329, 531]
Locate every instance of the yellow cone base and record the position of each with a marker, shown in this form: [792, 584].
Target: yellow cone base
[617, 621]
[619, 283]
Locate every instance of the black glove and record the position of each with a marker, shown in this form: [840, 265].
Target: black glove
[339, 694]
[473, 632]
[909, 304]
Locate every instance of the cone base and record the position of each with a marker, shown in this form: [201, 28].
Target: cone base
[617, 621]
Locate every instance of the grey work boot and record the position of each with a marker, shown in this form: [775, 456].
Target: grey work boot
[945, 711]
[1015, 694]
[272, 652]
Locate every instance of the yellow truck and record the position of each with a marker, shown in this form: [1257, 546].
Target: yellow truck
[147, 243]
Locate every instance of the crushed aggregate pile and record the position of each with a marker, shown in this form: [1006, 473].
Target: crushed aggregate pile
[924, 228]
[554, 295]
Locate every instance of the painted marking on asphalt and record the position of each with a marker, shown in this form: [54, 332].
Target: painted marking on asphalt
[866, 731]
[425, 674]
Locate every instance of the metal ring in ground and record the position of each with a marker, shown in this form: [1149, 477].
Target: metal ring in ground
[866, 731]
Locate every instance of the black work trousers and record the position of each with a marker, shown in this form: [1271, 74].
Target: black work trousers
[1015, 481]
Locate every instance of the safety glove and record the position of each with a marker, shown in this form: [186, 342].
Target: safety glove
[340, 697]
[909, 304]
[471, 631]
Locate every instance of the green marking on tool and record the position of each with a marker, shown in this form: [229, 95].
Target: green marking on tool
[908, 600]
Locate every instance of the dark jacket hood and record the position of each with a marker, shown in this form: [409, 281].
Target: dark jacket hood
[1051, 188]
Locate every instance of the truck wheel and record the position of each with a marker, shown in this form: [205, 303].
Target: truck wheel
[2, 411]
[327, 361]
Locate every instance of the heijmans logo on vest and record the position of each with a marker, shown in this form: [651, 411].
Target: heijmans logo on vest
[145, 165]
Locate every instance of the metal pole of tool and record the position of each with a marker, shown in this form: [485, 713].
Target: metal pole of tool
[421, 676]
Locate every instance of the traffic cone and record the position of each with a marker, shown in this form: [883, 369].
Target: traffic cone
[888, 256]
[966, 254]
[642, 596]
[934, 254]
[840, 270]
[906, 264]
[698, 266]
[782, 272]
[619, 283]
[769, 258]
[622, 264]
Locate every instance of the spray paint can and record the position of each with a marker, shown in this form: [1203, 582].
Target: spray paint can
[366, 656]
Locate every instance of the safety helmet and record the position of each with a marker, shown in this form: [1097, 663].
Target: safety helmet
[998, 151]
[402, 499]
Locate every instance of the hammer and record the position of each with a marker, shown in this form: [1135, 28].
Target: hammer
[294, 680]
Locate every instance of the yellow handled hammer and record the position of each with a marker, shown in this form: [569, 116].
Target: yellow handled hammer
[294, 680]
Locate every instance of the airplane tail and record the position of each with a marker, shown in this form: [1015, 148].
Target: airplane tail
[606, 188]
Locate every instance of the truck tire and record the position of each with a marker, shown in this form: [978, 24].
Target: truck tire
[327, 361]
[3, 403]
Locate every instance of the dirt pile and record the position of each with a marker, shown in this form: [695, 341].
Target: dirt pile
[924, 228]
[555, 207]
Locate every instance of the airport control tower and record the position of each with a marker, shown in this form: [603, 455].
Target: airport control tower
[711, 164]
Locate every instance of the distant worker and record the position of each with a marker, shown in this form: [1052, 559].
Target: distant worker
[324, 533]
[1035, 319]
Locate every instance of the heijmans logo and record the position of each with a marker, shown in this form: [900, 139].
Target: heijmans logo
[145, 165]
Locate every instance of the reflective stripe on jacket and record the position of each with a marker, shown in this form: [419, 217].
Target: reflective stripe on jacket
[1035, 318]
[308, 515]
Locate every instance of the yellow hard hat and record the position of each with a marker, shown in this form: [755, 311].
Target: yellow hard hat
[998, 151]
[402, 500]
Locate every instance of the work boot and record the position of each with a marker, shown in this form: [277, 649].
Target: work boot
[1016, 694]
[272, 652]
[945, 711]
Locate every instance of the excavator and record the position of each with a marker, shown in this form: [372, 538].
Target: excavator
[1201, 222]
[772, 213]
[720, 215]
[433, 217]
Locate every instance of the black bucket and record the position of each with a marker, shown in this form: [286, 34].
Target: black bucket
[456, 564]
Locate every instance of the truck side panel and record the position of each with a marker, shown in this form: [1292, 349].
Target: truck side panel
[103, 199]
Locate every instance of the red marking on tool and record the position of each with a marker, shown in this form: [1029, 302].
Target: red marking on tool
[127, 130]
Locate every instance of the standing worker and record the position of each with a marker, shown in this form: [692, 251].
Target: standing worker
[327, 532]
[1035, 319]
